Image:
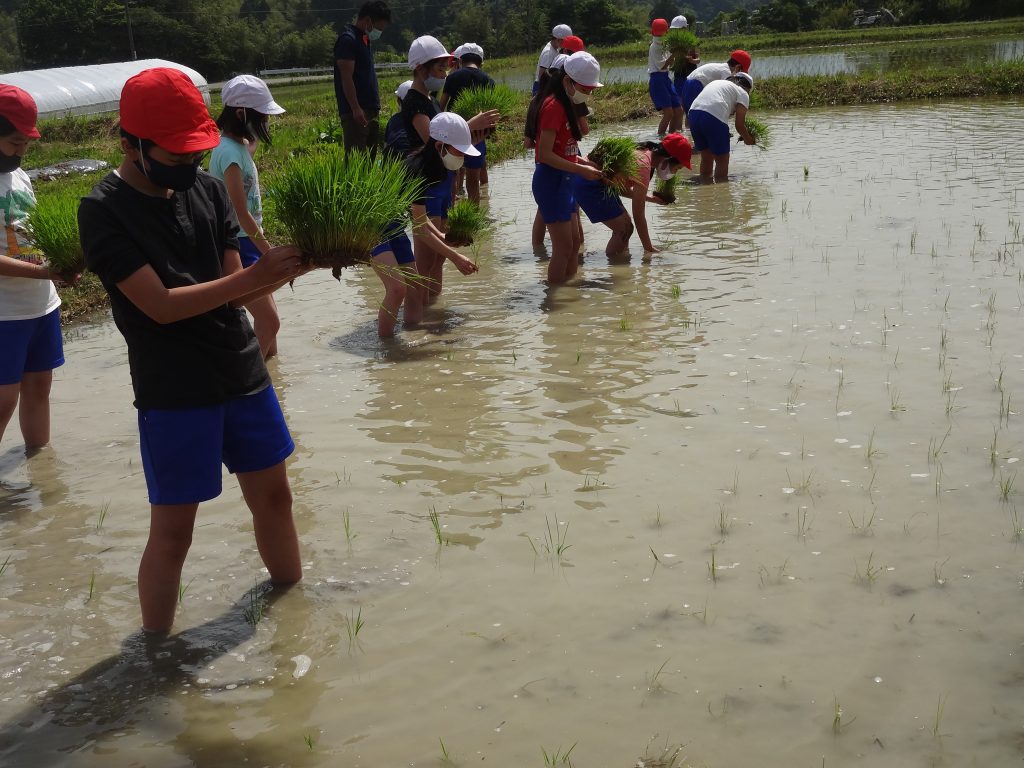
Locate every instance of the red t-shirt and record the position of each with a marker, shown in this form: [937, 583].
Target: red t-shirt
[552, 117]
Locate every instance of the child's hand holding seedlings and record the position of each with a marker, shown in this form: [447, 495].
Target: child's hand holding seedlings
[279, 264]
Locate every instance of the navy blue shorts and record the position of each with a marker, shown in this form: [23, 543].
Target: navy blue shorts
[678, 81]
[553, 191]
[474, 163]
[708, 133]
[439, 197]
[662, 93]
[691, 90]
[399, 245]
[248, 251]
[599, 201]
[30, 346]
[183, 449]
[536, 87]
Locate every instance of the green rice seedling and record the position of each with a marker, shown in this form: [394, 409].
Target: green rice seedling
[701, 615]
[337, 207]
[935, 447]
[445, 757]
[624, 324]
[182, 589]
[913, 240]
[807, 172]
[466, 220]
[257, 607]
[53, 227]
[863, 527]
[353, 625]
[665, 759]
[803, 524]
[895, 406]
[557, 757]
[675, 291]
[940, 710]
[102, 516]
[481, 98]
[1016, 527]
[870, 574]
[554, 543]
[940, 580]
[761, 132]
[804, 486]
[993, 448]
[713, 566]
[435, 524]
[616, 157]
[92, 587]
[1006, 487]
[309, 741]
[773, 576]
[838, 724]
[1004, 408]
[654, 684]
[871, 452]
[724, 523]
[5, 565]
[665, 189]
[679, 42]
[346, 521]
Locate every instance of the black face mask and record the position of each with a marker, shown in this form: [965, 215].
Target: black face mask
[9, 163]
[177, 177]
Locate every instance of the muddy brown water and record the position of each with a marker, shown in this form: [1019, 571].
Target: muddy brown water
[774, 456]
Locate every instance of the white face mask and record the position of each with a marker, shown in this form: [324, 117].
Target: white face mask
[665, 171]
[579, 97]
[452, 162]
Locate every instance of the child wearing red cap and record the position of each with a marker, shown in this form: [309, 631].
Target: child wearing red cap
[163, 238]
[696, 81]
[30, 339]
[663, 95]
[603, 206]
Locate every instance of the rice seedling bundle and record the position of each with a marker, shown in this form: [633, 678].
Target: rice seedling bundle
[680, 42]
[53, 227]
[760, 131]
[616, 157]
[337, 208]
[481, 98]
[665, 189]
[465, 221]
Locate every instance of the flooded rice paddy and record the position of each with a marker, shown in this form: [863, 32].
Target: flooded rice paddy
[834, 60]
[757, 495]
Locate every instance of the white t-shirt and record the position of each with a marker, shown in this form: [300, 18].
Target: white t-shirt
[21, 298]
[720, 99]
[547, 55]
[708, 73]
[656, 57]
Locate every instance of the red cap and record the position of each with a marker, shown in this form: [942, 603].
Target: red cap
[679, 147]
[659, 27]
[19, 107]
[743, 58]
[164, 106]
[572, 43]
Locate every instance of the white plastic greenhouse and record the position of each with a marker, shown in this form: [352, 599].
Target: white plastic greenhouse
[88, 90]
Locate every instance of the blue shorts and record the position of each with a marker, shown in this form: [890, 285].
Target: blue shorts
[399, 245]
[536, 87]
[474, 163]
[691, 90]
[182, 449]
[553, 191]
[709, 133]
[662, 93]
[600, 202]
[248, 251]
[30, 346]
[439, 197]
[678, 81]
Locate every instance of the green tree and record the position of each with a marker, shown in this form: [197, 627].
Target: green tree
[663, 9]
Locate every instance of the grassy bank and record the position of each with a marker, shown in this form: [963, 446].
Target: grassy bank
[311, 121]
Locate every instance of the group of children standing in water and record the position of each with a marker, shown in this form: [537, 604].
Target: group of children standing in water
[183, 254]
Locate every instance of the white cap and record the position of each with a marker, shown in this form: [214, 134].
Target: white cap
[679, 22]
[424, 49]
[250, 92]
[743, 76]
[465, 48]
[561, 31]
[453, 130]
[403, 89]
[559, 61]
[584, 69]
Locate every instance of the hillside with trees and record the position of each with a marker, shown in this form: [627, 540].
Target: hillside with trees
[223, 37]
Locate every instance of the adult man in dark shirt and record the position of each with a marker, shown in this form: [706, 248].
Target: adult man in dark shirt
[163, 239]
[355, 80]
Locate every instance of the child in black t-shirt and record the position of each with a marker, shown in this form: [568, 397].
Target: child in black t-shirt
[163, 238]
[469, 75]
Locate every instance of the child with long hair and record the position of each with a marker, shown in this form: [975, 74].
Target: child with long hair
[243, 122]
[557, 130]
